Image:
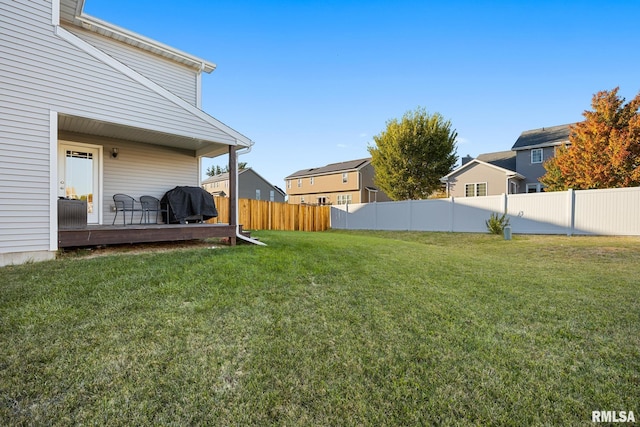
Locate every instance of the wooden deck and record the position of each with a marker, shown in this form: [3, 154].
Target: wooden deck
[97, 235]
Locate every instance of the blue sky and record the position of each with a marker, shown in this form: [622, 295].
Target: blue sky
[311, 82]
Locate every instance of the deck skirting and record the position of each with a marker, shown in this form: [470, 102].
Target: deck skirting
[115, 235]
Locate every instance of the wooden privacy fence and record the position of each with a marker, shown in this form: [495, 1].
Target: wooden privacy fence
[265, 215]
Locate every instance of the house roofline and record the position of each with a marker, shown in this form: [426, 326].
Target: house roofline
[115, 32]
[307, 173]
[509, 173]
[237, 137]
[225, 177]
[543, 145]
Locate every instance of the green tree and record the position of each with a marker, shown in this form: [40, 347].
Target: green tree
[412, 154]
[217, 170]
[604, 150]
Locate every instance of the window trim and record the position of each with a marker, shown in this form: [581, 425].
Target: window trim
[476, 188]
[345, 177]
[537, 150]
[344, 199]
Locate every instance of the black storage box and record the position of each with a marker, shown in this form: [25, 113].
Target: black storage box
[72, 214]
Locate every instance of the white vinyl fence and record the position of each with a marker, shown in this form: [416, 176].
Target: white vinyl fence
[600, 212]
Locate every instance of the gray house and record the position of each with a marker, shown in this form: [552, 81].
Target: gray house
[250, 186]
[532, 148]
[87, 110]
[508, 172]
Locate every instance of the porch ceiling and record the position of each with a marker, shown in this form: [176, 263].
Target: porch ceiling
[111, 130]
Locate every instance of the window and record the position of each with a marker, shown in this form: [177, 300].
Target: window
[299, 182]
[311, 180]
[272, 195]
[536, 155]
[344, 199]
[475, 190]
[289, 183]
[534, 188]
[257, 194]
[322, 200]
[345, 177]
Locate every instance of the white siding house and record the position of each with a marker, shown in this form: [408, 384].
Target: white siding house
[74, 87]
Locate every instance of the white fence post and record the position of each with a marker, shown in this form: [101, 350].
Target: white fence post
[451, 220]
[571, 212]
[375, 218]
[504, 203]
[346, 216]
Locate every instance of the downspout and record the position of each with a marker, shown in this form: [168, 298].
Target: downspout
[238, 234]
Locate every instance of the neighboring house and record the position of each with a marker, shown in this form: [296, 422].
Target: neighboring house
[88, 109]
[508, 172]
[336, 183]
[250, 186]
[532, 148]
[486, 175]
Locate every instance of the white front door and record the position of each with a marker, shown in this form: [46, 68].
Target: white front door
[79, 176]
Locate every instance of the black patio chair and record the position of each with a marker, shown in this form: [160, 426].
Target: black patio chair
[124, 204]
[150, 205]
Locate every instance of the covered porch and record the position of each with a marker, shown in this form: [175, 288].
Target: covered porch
[135, 162]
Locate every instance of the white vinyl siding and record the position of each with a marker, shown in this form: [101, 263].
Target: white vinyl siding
[41, 72]
[176, 78]
[139, 169]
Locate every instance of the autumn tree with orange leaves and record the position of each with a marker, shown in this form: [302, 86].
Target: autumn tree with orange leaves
[604, 150]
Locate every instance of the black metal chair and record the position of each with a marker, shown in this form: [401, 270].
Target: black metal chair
[150, 205]
[124, 203]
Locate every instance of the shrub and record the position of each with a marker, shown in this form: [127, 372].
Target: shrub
[496, 223]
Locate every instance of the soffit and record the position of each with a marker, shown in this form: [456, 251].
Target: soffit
[71, 11]
[86, 126]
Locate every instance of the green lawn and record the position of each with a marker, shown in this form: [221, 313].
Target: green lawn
[333, 328]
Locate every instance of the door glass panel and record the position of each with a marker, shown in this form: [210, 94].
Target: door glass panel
[79, 177]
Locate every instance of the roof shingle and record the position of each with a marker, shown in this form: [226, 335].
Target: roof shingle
[331, 168]
[545, 137]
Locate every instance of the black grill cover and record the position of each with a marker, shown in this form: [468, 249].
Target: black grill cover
[185, 202]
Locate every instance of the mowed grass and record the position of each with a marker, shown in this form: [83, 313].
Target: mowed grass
[327, 329]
